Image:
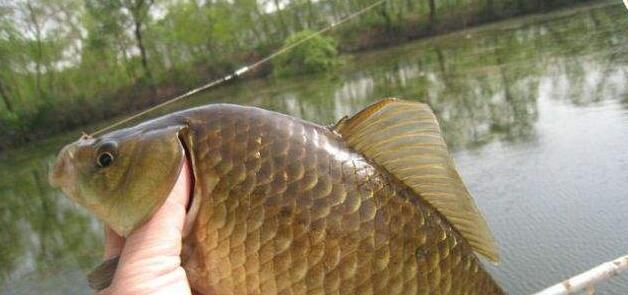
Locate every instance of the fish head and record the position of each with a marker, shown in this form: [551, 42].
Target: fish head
[122, 177]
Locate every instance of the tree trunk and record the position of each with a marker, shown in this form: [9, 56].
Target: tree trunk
[310, 15]
[410, 5]
[298, 26]
[282, 23]
[126, 63]
[490, 13]
[140, 45]
[540, 5]
[139, 11]
[4, 93]
[432, 5]
[383, 11]
[334, 10]
[262, 19]
[40, 49]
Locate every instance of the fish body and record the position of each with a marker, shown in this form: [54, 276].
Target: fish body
[284, 206]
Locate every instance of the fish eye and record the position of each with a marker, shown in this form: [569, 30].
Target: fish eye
[104, 159]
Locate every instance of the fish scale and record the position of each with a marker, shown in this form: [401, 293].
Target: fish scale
[365, 227]
[372, 205]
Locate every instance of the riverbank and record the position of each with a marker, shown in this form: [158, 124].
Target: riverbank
[59, 115]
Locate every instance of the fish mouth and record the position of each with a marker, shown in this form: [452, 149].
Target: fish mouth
[194, 201]
[56, 171]
[61, 171]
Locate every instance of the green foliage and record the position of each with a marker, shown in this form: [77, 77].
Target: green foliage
[318, 54]
[64, 63]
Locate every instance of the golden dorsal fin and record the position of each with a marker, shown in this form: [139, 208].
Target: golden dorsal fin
[404, 138]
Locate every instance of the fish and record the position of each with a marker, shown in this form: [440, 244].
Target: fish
[370, 205]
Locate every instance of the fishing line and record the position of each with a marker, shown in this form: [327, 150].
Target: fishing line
[241, 71]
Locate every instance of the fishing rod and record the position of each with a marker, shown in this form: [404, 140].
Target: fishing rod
[243, 70]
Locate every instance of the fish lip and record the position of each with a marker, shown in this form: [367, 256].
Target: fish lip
[59, 170]
[53, 173]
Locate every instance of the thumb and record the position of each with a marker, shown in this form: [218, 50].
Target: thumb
[150, 261]
[161, 235]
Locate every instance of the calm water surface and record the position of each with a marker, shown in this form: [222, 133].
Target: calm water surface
[535, 110]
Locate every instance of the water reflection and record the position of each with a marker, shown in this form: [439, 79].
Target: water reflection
[485, 86]
[42, 232]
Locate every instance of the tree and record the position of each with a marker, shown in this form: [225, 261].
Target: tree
[280, 18]
[318, 55]
[432, 6]
[6, 35]
[139, 13]
[35, 15]
[107, 40]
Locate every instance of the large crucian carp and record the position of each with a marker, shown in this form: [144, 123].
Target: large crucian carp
[371, 205]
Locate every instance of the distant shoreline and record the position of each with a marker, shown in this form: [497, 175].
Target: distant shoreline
[56, 119]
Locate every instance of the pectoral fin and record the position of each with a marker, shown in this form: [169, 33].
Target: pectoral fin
[100, 278]
[405, 139]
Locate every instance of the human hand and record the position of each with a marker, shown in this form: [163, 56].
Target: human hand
[150, 261]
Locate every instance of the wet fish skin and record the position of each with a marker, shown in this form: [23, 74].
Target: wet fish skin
[295, 210]
[280, 205]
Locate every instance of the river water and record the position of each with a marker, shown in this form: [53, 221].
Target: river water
[535, 110]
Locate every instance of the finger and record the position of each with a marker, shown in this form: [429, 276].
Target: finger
[150, 261]
[113, 243]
